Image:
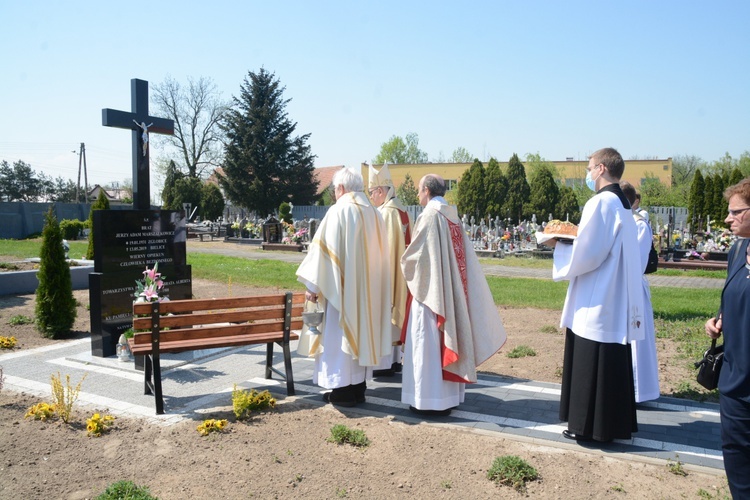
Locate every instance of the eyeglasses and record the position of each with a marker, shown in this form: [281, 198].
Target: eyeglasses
[372, 190]
[595, 166]
[735, 213]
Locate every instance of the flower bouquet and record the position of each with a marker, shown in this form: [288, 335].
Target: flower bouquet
[147, 289]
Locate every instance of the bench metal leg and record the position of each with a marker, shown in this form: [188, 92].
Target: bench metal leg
[158, 397]
[269, 359]
[288, 369]
[147, 371]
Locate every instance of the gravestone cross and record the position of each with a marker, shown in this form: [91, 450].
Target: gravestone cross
[142, 125]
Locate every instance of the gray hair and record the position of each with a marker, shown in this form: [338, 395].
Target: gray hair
[349, 179]
[434, 184]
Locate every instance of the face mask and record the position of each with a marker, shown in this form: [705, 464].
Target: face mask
[590, 182]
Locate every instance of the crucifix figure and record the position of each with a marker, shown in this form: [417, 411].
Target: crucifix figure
[136, 121]
[144, 136]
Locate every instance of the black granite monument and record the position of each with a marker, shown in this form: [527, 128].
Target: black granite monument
[127, 242]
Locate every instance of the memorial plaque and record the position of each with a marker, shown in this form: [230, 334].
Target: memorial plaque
[126, 242]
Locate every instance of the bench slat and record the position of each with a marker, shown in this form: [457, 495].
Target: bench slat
[190, 305]
[213, 343]
[215, 331]
[181, 320]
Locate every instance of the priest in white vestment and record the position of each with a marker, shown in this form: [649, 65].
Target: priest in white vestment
[346, 271]
[453, 323]
[645, 363]
[603, 311]
[398, 226]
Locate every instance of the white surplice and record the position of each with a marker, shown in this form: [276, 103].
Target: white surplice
[605, 305]
[645, 364]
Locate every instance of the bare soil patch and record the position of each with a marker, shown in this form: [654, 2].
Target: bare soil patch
[284, 453]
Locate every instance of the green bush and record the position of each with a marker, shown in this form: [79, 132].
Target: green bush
[126, 490]
[285, 212]
[55, 305]
[20, 319]
[521, 352]
[511, 470]
[101, 203]
[72, 228]
[341, 434]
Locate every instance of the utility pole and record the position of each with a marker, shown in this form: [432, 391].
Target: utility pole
[82, 160]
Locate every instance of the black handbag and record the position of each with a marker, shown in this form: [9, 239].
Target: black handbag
[653, 260]
[710, 366]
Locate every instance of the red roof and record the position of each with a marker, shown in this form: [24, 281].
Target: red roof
[324, 176]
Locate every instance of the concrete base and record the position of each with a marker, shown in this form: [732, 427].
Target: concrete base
[26, 282]
[283, 247]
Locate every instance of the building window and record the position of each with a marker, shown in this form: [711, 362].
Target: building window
[450, 184]
[666, 167]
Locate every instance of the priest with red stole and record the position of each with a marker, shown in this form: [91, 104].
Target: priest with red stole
[453, 323]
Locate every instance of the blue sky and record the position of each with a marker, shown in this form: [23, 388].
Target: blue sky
[558, 78]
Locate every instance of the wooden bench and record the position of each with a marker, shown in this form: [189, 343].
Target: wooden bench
[193, 324]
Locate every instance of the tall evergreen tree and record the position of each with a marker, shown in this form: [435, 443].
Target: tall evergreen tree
[55, 310]
[735, 177]
[169, 191]
[568, 206]
[544, 194]
[708, 197]
[696, 202]
[101, 203]
[719, 204]
[212, 201]
[471, 191]
[496, 188]
[407, 191]
[518, 189]
[187, 190]
[265, 164]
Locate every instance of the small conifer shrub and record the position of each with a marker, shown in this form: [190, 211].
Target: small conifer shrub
[55, 310]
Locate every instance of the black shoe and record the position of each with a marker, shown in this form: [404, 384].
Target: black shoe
[359, 392]
[388, 372]
[343, 396]
[430, 413]
[575, 437]
[396, 367]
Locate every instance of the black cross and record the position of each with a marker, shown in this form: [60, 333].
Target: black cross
[142, 125]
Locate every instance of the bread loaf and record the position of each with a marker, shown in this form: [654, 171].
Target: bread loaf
[561, 227]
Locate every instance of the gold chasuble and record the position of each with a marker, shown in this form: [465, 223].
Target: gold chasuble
[398, 225]
[348, 260]
[443, 273]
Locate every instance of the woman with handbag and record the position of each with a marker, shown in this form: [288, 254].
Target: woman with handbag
[733, 321]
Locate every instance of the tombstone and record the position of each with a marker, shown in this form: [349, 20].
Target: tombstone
[243, 233]
[305, 224]
[314, 223]
[272, 231]
[126, 242]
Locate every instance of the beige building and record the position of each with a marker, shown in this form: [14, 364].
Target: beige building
[572, 172]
